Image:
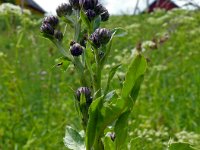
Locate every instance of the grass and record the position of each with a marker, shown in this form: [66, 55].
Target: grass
[36, 98]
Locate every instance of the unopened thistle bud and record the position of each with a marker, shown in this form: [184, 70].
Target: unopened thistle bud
[88, 4]
[99, 9]
[58, 35]
[46, 28]
[86, 92]
[101, 36]
[76, 49]
[64, 9]
[90, 14]
[52, 20]
[102, 11]
[75, 4]
[105, 15]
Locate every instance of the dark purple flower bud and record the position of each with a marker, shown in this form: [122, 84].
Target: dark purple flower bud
[88, 4]
[75, 4]
[58, 35]
[85, 91]
[94, 39]
[52, 20]
[76, 49]
[105, 16]
[100, 36]
[64, 9]
[47, 29]
[99, 9]
[90, 14]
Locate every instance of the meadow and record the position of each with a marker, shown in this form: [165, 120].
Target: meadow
[37, 95]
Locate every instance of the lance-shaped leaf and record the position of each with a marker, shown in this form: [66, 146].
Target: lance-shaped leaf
[85, 20]
[135, 90]
[97, 23]
[92, 122]
[108, 143]
[121, 130]
[108, 114]
[119, 32]
[110, 76]
[122, 122]
[73, 140]
[136, 69]
[108, 49]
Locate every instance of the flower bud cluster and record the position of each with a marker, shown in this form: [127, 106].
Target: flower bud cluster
[48, 27]
[74, 4]
[101, 36]
[92, 9]
[64, 9]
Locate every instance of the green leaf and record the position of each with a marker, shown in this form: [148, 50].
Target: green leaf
[89, 60]
[136, 69]
[62, 63]
[109, 96]
[73, 140]
[69, 21]
[85, 19]
[111, 75]
[97, 23]
[121, 130]
[84, 110]
[180, 146]
[108, 114]
[108, 49]
[135, 90]
[108, 143]
[92, 122]
[119, 32]
[121, 125]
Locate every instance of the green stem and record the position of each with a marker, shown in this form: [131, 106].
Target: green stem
[97, 75]
[80, 69]
[98, 145]
[77, 27]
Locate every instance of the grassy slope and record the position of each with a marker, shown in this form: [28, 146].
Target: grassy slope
[36, 101]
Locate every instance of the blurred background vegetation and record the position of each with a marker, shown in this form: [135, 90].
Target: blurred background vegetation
[36, 96]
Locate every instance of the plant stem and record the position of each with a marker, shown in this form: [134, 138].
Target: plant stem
[98, 145]
[77, 27]
[97, 75]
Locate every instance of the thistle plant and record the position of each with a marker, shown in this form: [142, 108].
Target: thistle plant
[104, 112]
